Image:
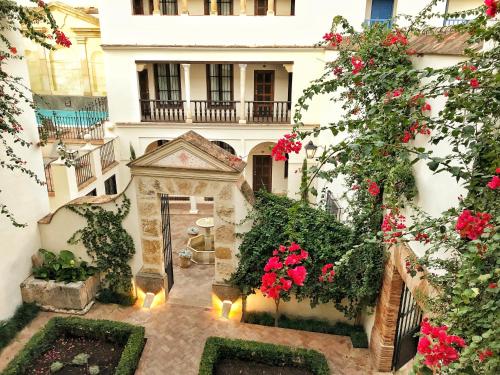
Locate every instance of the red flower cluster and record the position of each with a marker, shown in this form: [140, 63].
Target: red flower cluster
[394, 38]
[357, 64]
[62, 39]
[13, 50]
[426, 107]
[438, 348]
[414, 129]
[337, 70]
[491, 7]
[394, 94]
[373, 188]
[484, 354]
[279, 275]
[392, 224]
[472, 225]
[474, 83]
[326, 273]
[494, 183]
[334, 38]
[41, 4]
[286, 145]
[422, 237]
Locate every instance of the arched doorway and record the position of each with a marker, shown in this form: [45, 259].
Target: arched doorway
[263, 172]
[154, 145]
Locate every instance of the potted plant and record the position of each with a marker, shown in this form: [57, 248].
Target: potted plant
[185, 258]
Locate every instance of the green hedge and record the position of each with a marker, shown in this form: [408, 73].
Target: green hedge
[357, 333]
[22, 317]
[132, 337]
[218, 348]
[107, 295]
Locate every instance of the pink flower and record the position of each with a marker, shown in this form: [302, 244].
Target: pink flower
[286, 145]
[357, 64]
[298, 275]
[392, 226]
[373, 189]
[294, 247]
[292, 259]
[491, 9]
[286, 284]
[62, 39]
[494, 183]
[474, 83]
[273, 264]
[406, 137]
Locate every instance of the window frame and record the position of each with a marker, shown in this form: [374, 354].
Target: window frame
[219, 7]
[164, 5]
[108, 183]
[210, 101]
[169, 89]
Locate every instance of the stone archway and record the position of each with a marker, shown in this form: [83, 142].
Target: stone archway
[189, 165]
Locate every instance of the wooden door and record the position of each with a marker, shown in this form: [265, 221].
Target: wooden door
[260, 7]
[144, 94]
[262, 172]
[263, 93]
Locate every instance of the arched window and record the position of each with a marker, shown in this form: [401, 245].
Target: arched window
[154, 145]
[225, 146]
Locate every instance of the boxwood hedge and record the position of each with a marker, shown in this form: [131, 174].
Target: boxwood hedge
[218, 348]
[132, 337]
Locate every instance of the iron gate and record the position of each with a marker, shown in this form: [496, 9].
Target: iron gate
[409, 318]
[167, 240]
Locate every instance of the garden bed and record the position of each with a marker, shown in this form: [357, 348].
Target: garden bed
[223, 356]
[356, 333]
[80, 346]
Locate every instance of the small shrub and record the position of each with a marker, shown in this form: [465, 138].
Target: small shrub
[81, 359]
[21, 318]
[62, 267]
[357, 333]
[109, 296]
[94, 370]
[56, 366]
[218, 348]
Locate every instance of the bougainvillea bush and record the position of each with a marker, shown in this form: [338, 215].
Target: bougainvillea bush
[20, 19]
[388, 113]
[330, 247]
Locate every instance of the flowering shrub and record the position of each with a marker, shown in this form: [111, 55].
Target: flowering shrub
[286, 145]
[282, 271]
[22, 20]
[472, 226]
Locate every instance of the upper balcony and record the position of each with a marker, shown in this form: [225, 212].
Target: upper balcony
[263, 95]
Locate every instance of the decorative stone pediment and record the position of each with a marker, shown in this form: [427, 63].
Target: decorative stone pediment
[190, 152]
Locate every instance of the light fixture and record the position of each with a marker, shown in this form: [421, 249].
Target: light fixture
[148, 300]
[226, 309]
[310, 150]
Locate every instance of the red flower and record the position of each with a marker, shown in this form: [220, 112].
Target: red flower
[285, 284]
[494, 183]
[373, 189]
[337, 70]
[472, 68]
[62, 39]
[491, 9]
[328, 36]
[326, 273]
[406, 137]
[497, 171]
[273, 264]
[472, 226]
[298, 275]
[294, 247]
[426, 107]
[286, 145]
[392, 225]
[41, 4]
[474, 83]
[355, 187]
[394, 38]
[484, 354]
[357, 64]
[13, 50]
[292, 259]
[492, 285]
[411, 51]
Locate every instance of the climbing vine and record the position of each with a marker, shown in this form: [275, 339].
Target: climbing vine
[387, 114]
[108, 243]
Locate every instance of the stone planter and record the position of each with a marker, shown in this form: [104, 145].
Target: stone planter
[184, 262]
[75, 298]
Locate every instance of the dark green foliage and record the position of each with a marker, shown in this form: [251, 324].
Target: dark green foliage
[132, 337]
[357, 333]
[63, 267]
[108, 243]
[109, 296]
[280, 220]
[218, 348]
[22, 317]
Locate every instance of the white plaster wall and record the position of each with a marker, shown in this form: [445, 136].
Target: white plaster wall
[27, 200]
[460, 5]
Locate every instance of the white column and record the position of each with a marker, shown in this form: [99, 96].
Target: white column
[213, 7]
[187, 84]
[243, 7]
[156, 7]
[184, 8]
[194, 207]
[270, 7]
[243, 78]
[84, 67]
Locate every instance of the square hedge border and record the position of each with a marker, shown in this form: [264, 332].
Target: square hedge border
[218, 348]
[132, 337]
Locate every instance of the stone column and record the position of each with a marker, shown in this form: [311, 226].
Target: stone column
[386, 316]
[184, 8]
[243, 71]
[243, 7]
[194, 207]
[156, 7]
[84, 67]
[213, 7]
[270, 7]
[187, 83]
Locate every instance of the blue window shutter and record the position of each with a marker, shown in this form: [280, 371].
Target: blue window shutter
[382, 9]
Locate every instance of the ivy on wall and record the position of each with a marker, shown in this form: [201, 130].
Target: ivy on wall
[108, 243]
